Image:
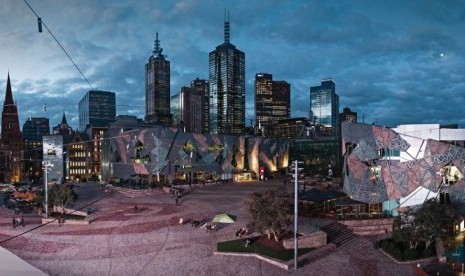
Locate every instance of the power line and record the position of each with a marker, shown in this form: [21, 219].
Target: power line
[41, 23]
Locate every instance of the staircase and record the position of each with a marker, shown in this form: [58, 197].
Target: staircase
[338, 233]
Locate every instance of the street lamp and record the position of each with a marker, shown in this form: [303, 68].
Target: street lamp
[296, 170]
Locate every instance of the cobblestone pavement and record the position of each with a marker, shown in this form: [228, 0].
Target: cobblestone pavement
[150, 241]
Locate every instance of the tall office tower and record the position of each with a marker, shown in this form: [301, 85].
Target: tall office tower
[157, 88]
[227, 87]
[324, 107]
[97, 109]
[272, 102]
[188, 109]
[11, 141]
[33, 131]
[202, 86]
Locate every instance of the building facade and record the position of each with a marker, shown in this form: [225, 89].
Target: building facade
[168, 154]
[157, 88]
[190, 111]
[203, 87]
[11, 145]
[97, 109]
[272, 103]
[324, 107]
[33, 131]
[227, 87]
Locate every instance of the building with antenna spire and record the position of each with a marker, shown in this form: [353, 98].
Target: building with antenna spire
[227, 87]
[11, 141]
[157, 88]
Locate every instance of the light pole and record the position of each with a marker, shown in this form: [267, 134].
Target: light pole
[296, 208]
[45, 163]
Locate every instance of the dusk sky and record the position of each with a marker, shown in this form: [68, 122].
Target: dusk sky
[394, 62]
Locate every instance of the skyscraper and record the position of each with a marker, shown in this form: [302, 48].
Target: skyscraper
[227, 87]
[33, 131]
[324, 107]
[97, 109]
[11, 141]
[187, 108]
[272, 102]
[157, 88]
[202, 86]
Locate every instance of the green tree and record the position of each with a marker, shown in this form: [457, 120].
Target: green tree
[61, 196]
[425, 223]
[270, 211]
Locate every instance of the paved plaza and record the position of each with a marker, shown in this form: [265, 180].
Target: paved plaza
[121, 240]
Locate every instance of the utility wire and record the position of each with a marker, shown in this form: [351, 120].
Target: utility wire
[59, 44]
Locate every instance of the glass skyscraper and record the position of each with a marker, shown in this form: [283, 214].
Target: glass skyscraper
[97, 109]
[272, 102]
[157, 88]
[324, 107]
[227, 87]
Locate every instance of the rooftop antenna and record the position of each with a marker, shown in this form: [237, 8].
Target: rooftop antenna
[226, 26]
[157, 49]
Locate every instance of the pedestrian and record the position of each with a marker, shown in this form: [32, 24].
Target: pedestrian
[22, 221]
[14, 222]
[177, 199]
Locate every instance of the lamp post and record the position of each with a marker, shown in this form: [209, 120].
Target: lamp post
[296, 208]
[45, 163]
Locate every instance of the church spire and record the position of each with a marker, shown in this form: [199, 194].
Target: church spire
[63, 119]
[9, 94]
[226, 26]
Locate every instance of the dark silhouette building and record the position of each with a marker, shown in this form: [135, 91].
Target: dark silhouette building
[11, 144]
[227, 87]
[97, 109]
[157, 88]
[33, 131]
[202, 86]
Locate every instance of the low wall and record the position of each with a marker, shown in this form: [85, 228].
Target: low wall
[313, 240]
[369, 226]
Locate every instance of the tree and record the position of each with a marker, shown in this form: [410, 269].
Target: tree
[425, 223]
[61, 196]
[270, 211]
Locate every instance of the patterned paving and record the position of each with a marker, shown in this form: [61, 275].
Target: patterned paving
[150, 241]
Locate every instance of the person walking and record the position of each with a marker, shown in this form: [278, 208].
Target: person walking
[14, 222]
[177, 198]
[22, 220]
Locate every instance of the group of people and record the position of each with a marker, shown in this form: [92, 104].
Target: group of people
[17, 221]
[209, 227]
[242, 232]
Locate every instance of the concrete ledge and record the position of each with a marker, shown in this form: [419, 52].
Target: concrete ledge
[313, 240]
[66, 222]
[306, 258]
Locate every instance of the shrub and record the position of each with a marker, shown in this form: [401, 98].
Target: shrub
[410, 254]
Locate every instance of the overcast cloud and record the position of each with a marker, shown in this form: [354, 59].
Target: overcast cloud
[394, 62]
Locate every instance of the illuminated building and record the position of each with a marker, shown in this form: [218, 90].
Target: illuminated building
[272, 102]
[11, 141]
[227, 87]
[157, 88]
[202, 86]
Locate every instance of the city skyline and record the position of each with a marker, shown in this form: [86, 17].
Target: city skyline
[382, 56]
